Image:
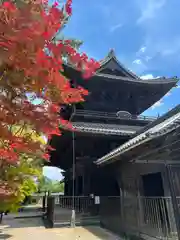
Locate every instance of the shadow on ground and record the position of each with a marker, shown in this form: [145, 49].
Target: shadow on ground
[101, 233]
[4, 236]
[23, 222]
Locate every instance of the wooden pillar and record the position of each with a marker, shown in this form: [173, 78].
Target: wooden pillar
[66, 186]
[83, 185]
[76, 186]
[44, 199]
[89, 190]
[86, 184]
[69, 187]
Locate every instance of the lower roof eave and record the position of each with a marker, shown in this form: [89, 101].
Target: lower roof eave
[104, 129]
[102, 132]
[160, 129]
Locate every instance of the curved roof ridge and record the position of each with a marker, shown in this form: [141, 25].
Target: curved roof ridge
[109, 55]
[140, 80]
[112, 55]
[160, 80]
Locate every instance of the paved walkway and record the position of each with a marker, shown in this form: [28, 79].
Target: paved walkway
[33, 229]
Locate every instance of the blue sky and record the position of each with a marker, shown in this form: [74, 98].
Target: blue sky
[53, 173]
[144, 33]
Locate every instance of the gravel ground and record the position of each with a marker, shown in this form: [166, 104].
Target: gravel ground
[33, 229]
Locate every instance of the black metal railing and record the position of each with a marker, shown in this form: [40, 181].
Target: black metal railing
[82, 204]
[135, 215]
[140, 216]
[59, 209]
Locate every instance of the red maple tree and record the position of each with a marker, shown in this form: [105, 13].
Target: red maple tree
[31, 62]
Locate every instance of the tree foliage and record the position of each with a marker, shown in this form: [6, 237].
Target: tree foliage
[18, 181]
[47, 185]
[32, 63]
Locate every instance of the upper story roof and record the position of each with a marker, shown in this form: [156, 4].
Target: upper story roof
[114, 88]
[111, 65]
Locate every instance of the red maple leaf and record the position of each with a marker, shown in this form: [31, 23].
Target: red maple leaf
[30, 62]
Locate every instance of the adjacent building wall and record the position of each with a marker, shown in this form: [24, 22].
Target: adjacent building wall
[126, 212]
[129, 177]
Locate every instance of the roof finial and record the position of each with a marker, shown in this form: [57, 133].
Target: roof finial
[111, 53]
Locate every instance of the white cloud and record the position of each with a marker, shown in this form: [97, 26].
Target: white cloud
[142, 49]
[137, 61]
[158, 19]
[138, 66]
[167, 94]
[160, 102]
[149, 9]
[147, 58]
[149, 76]
[116, 27]
[157, 104]
[144, 54]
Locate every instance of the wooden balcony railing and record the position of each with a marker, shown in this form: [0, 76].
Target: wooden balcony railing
[108, 115]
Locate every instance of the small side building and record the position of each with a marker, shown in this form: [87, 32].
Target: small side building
[147, 169]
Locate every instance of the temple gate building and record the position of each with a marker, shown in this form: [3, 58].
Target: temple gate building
[126, 159]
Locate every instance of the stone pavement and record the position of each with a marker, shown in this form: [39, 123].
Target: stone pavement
[33, 229]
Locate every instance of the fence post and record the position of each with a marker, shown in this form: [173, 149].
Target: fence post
[44, 202]
[122, 204]
[50, 211]
[140, 211]
[174, 199]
